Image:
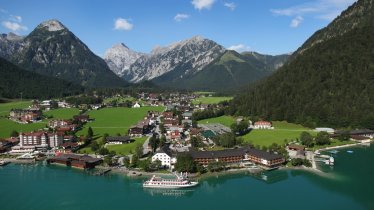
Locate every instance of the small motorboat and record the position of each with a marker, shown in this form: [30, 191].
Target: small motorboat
[350, 151]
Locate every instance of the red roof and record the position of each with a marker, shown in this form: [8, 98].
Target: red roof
[263, 123]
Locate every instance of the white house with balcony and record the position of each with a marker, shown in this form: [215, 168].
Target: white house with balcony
[164, 155]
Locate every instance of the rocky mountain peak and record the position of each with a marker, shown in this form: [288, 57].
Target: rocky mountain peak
[52, 25]
[120, 57]
[183, 58]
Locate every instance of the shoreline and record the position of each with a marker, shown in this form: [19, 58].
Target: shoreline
[344, 146]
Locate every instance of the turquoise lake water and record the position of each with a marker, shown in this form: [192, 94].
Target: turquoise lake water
[347, 185]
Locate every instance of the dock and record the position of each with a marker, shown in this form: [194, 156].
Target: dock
[102, 172]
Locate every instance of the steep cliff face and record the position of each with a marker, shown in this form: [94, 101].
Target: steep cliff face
[119, 58]
[51, 49]
[186, 57]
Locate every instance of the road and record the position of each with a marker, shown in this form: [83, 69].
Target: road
[145, 145]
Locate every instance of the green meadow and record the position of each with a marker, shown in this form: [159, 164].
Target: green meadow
[64, 114]
[282, 130]
[7, 126]
[115, 120]
[119, 99]
[210, 100]
[224, 120]
[125, 149]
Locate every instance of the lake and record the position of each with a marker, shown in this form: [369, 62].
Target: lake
[347, 185]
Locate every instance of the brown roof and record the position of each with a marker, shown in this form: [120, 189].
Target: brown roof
[296, 147]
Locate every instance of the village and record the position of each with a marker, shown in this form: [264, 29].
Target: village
[176, 136]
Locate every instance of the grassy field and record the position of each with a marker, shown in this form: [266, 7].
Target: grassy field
[224, 120]
[62, 113]
[115, 120]
[7, 126]
[125, 149]
[210, 100]
[282, 131]
[119, 99]
[6, 107]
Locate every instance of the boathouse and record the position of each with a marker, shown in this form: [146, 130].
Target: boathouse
[74, 160]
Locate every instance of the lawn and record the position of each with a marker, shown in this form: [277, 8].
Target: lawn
[210, 100]
[62, 113]
[282, 131]
[118, 99]
[7, 126]
[115, 120]
[224, 120]
[6, 107]
[125, 149]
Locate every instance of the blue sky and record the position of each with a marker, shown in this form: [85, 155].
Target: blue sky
[265, 26]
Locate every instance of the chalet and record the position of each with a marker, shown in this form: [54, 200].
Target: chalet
[81, 118]
[263, 125]
[168, 115]
[65, 129]
[238, 155]
[45, 104]
[59, 123]
[165, 156]
[296, 151]
[194, 131]
[25, 115]
[187, 115]
[67, 147]
[174, 135]
[136, 105]
[96, 106]
[118, 140]
[170, 123]
[77, 161]
[296, 147]
[136, 131]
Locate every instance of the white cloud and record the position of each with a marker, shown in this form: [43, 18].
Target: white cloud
[321, 9]
[230, 5]
[296, 21]
[123, 24]
[179, 17]
[239, 48]
[202, 4]
[15, 18]
[13, 26]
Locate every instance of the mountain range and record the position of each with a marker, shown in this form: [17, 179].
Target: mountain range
[196, 63]
[328, 81]
[52, 50]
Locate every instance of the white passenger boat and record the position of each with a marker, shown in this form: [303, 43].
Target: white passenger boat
[180, 182]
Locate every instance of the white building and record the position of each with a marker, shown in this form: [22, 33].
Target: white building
[164, 155]
[136, 105]
[328, 130]
[263, 125]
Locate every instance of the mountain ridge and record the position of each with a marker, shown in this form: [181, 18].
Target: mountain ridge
[52, 50]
